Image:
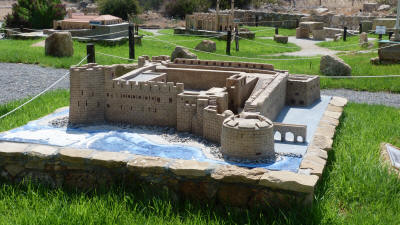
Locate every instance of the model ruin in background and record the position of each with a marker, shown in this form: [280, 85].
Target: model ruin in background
[232, 103]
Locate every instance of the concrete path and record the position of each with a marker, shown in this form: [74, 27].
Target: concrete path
[308, 48]
[154, 31]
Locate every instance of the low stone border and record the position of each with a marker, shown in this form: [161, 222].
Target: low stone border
[385, 158]
[202, 181]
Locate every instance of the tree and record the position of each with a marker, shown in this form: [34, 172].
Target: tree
[119, 8]
[36, 14]
[180, 8]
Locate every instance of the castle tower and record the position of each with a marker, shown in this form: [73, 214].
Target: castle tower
[87, 99]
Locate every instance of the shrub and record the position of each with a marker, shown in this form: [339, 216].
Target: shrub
[119, 8]
[179, 8]
[36, 14]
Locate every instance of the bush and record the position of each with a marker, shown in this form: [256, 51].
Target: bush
[36, 14]
[179, 8]
[119, 8]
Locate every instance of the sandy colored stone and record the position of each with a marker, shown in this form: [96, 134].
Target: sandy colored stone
[329, 120]
[315, 164]
[334, 115]
[14, 169]
[289, 181]
[110, 159]
[312, 150]
[234, 174]
[13, 149]
[207, 46]
[43, 151]
[333, 108]
[191, 168]
[74, 155]
[322, 142]
[338, 101]
[148, 164]
[332, 65]
[59, 44]
[326, 131]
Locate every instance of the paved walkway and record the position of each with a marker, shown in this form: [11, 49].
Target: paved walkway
[154, 31]
[308, 48]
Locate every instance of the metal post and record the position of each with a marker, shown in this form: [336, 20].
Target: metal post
[131, 42]
[360, 30]
[380, 37]
[345, 34]
[137, 29]
[390, 35]
[90, 52]
[256, 21]
[228, 42]
[237, 39]
[276, 30]
[397, 26]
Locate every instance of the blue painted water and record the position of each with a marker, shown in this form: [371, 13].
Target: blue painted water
[113, 138]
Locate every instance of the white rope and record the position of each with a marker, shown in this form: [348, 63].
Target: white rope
[115, 56]
[41, 93]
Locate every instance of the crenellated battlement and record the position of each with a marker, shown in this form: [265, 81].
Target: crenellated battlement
[227, 64]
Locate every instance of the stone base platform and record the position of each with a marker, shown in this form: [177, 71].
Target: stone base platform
[200, 181]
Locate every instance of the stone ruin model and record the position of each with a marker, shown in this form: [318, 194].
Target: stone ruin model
[231, 103]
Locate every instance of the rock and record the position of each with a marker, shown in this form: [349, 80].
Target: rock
[59, 44]
[383, 7]
[289, 181]
[334, 66]
[364, 39]
[14, 169]
[122, 69]
[370, 7]
[234, 174]
[375, 61]
[183, 53]
[191, 168]
[320, 10]
[318, 35]
[389, 54]
[281, 39]
[337, 37]
[207, 46]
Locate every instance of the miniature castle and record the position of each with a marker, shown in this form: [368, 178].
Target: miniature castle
[231, 103]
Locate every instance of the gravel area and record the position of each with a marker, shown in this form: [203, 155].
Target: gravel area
[379, 98]
[19, 81]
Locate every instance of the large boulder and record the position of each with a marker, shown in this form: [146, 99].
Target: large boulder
[59, 44]
[182, 53]
[334, 66]
[207, 46]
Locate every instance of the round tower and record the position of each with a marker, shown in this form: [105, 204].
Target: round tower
[248, 136]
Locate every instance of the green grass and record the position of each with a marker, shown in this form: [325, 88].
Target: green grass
[351, 44]
[262, 31]
[19, 51]
[355, 189]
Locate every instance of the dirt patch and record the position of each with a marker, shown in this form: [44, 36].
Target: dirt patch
[156, 20]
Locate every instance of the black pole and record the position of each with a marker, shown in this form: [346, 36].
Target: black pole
[237, 39]
[228, 42]
[380, 37]
[131, 42]
[90, 51]
[360, 30]
[276, 30]
[256, 21]
[390, 35]
[345, 34]
[137, 29]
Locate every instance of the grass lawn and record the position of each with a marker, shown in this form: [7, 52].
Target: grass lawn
[355, 188]
[270, 31]
[19, 51]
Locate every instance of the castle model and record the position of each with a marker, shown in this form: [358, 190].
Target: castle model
[231, 103]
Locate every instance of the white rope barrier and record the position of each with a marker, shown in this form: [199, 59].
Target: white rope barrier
[41, 93]
[115, 56]
[351, 77]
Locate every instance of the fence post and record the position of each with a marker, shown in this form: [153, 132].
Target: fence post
[228, 42]
[345, 34]
[256, 21]
[360, 30]
[276, 30]
[131, 42]
[237, 39]
[90, 52]
[390, 35]
[137, 29]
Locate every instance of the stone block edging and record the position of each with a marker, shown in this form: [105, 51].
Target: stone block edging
[228, 184]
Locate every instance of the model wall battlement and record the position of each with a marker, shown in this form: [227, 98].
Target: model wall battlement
[299, 132]
[227, 64]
